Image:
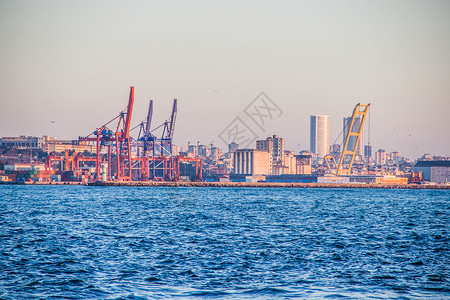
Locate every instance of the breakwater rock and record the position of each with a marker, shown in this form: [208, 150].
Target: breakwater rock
[265, 185]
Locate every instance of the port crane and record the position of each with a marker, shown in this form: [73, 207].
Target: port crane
[151, 143]
[353, 134]
[69, 161]
[116, 149]
[117, 141]
[155, 151]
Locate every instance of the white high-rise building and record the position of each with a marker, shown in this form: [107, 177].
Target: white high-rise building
[320, 135]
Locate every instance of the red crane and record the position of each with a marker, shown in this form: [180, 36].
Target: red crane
[117, 142]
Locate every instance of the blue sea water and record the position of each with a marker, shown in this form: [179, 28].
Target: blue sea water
[78, 242]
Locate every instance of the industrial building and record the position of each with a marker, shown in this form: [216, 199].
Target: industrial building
[23, 142]
[364, 179]
[292, 178]
[67, 145]
[437, 171]
[252, 162]
[320, 134]
[303, 164]
[45, 143]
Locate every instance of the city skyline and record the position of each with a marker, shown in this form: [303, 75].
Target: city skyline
[64, 77]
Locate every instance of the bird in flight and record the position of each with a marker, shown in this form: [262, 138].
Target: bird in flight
[52, 122]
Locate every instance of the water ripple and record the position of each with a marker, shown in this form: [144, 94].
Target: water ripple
[162, 243]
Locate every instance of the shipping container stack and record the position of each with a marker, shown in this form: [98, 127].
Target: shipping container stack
[37, 175]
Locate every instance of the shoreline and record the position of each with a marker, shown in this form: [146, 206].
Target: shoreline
[237, 184]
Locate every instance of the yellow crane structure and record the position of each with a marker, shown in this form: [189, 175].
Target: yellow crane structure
[69, 160]
[354, 130]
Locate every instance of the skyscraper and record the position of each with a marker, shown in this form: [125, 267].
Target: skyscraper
[320, 134]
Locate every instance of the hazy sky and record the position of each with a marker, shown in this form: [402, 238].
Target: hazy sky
[73, 62]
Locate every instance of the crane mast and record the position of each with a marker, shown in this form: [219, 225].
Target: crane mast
[359, 112]
[353, 134]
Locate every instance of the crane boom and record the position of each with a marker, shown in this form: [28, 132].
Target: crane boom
[354, 133]
[172, 119]
[149, 119]
[129, 112]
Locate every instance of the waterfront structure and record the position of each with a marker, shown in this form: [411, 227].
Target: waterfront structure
[320, 134]
[252, 162]
[303, 164]
[367, 179]
[434, 170]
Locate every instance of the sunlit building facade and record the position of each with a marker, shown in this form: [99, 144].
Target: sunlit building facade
[320, 134]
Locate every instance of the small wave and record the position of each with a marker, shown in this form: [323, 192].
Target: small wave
[383, 277]
[266, 291]
[436, 278]
[188, 273]
[75, 281]
[152, 279]
[336, 296]
[208, 294]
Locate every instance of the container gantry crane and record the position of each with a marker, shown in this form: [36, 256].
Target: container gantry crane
[151, 143]
[157, 151]
[157, 155]
[349, 149]
[118, 143]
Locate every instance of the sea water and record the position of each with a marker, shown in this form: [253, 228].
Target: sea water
[82, 242]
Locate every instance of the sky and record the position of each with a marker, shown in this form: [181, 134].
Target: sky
[73, 62]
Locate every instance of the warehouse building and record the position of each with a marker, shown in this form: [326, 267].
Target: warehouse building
[433, 170]
[252, 162]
